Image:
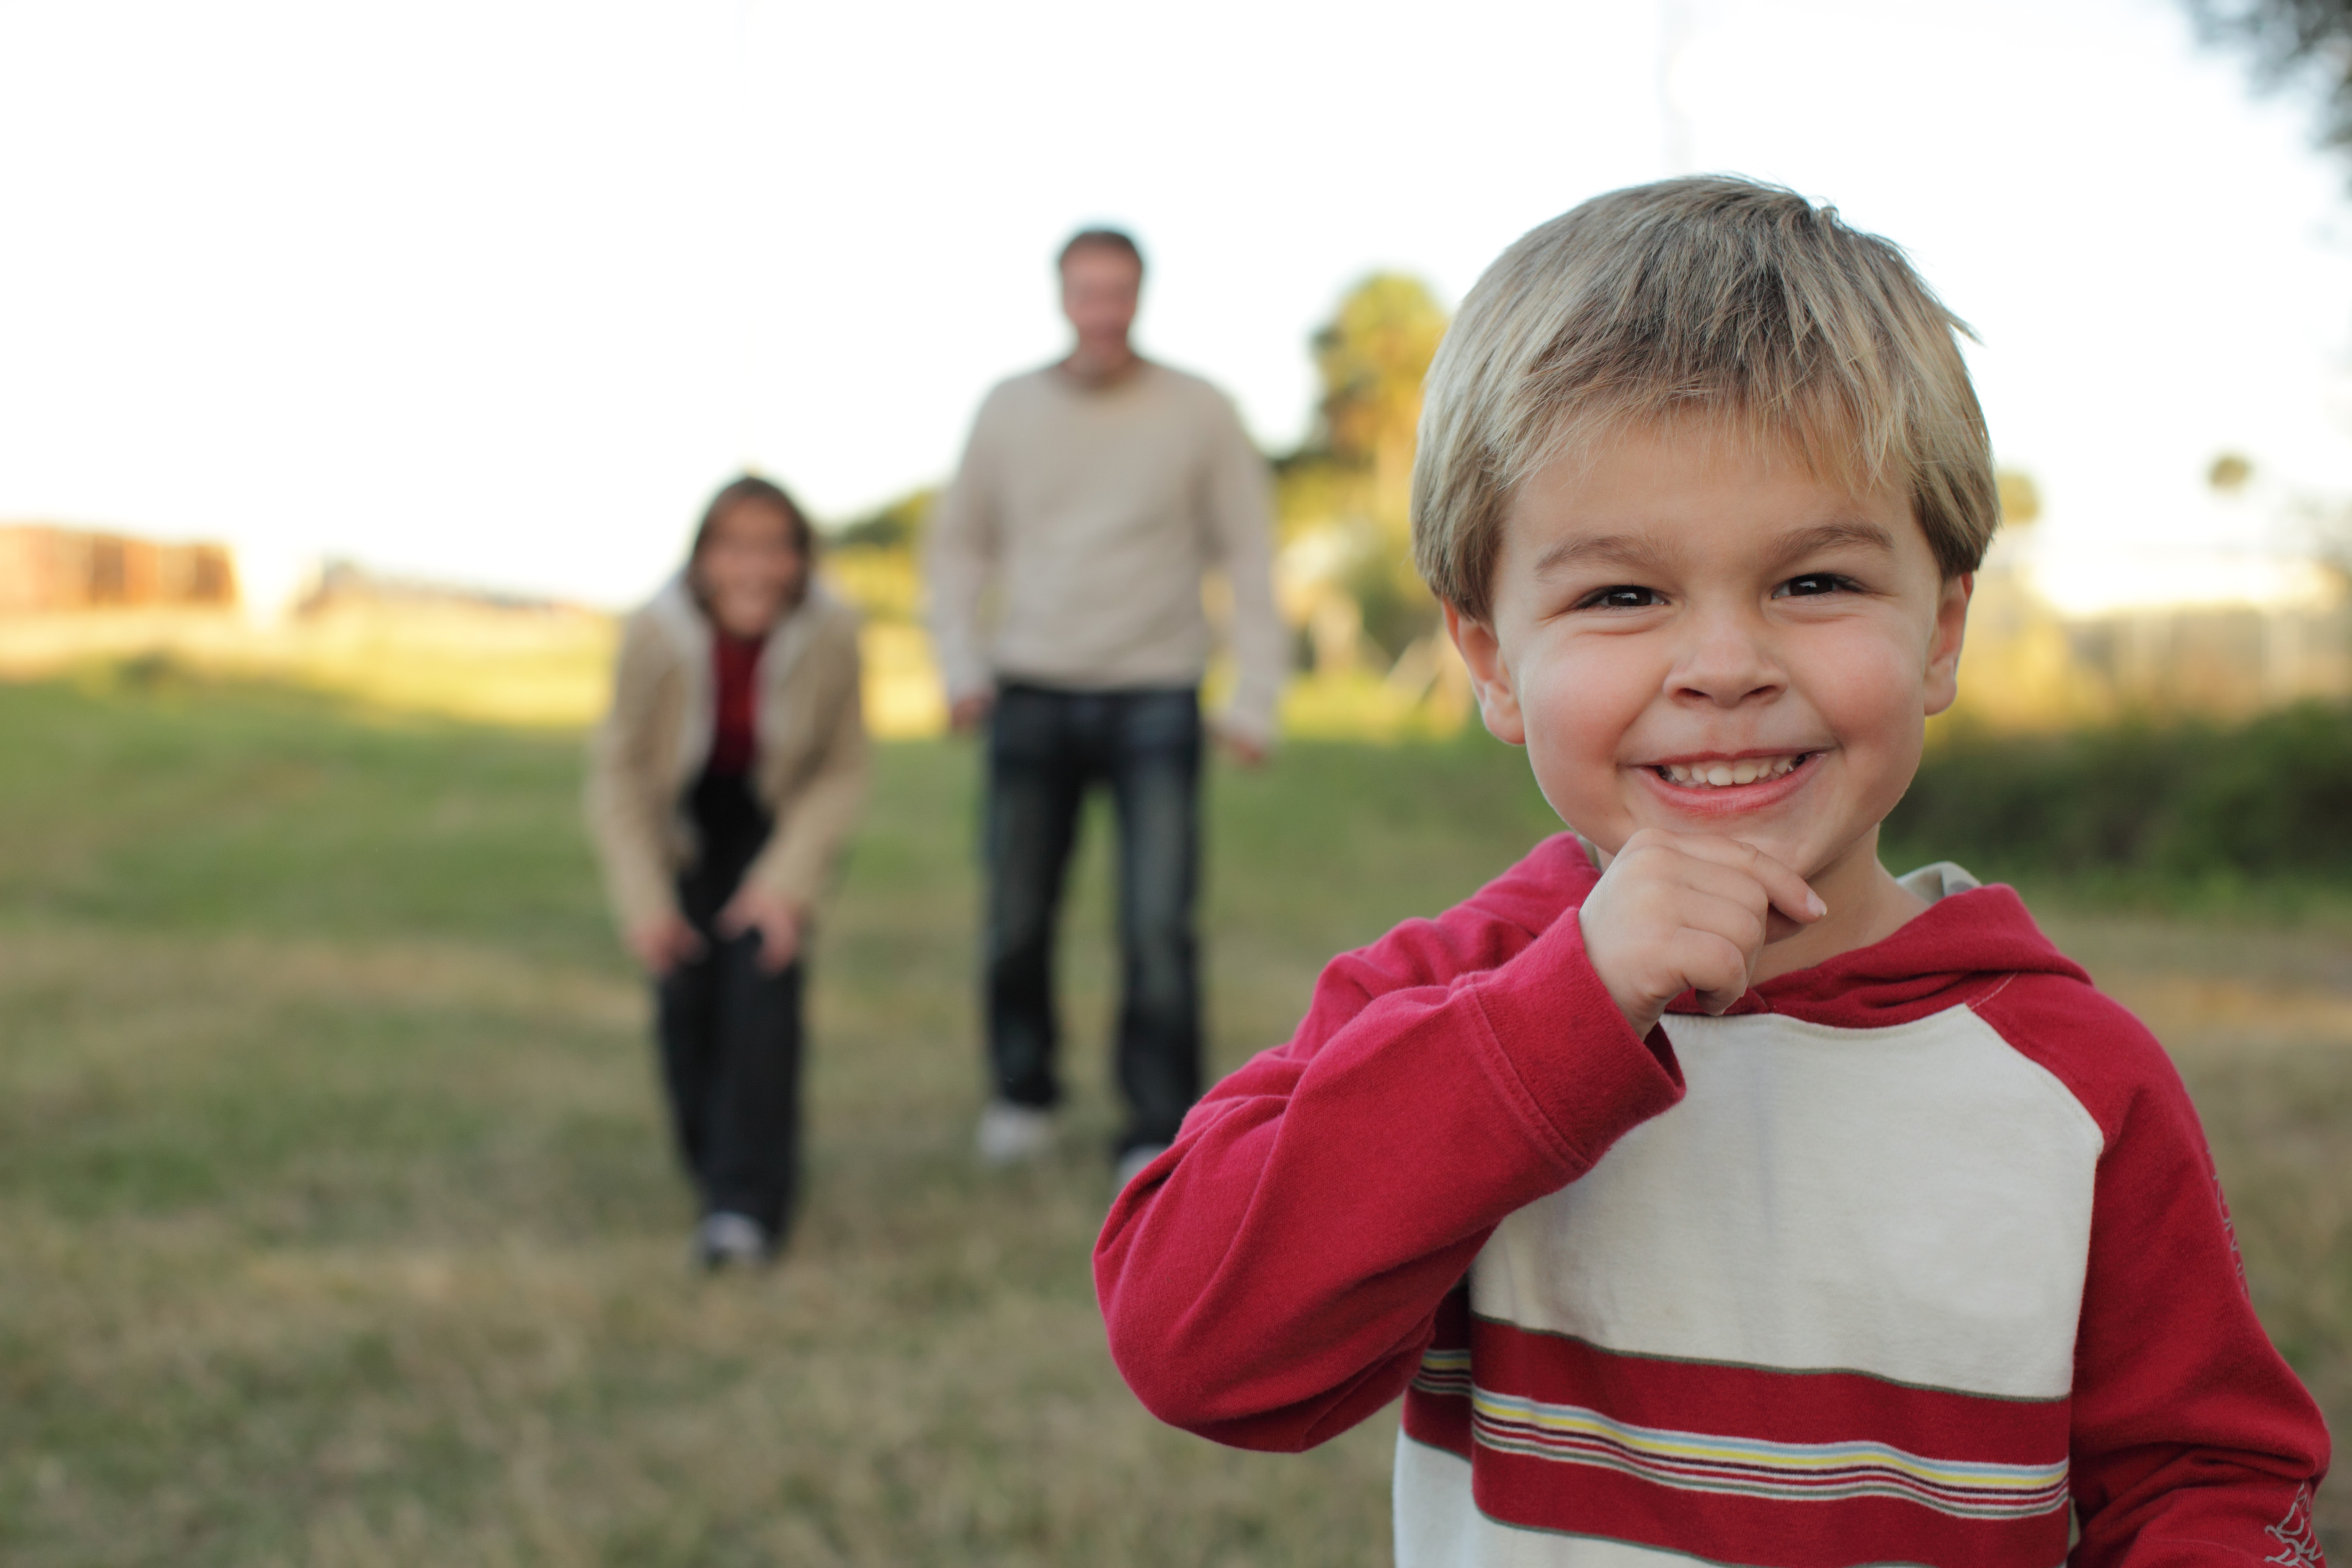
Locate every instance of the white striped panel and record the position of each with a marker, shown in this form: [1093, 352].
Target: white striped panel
[1912, 1202]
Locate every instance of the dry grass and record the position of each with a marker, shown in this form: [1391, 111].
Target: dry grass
[339, 1229]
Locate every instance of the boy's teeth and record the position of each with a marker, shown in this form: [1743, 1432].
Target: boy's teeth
[1715, 775]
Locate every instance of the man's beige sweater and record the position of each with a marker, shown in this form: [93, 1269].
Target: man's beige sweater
[1070, 550]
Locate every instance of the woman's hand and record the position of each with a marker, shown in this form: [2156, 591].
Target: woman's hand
[663, 942]
[778, 921]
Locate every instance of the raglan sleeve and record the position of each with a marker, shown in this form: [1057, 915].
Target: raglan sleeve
[1240, 504]
[801, 856]
[2193, 1443]
[960, 555]
[1273, 1277]
[626, 818]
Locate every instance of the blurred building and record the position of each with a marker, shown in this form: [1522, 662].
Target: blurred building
[346, 584]
[48, 569]
[2031, 665]
[2222, 660]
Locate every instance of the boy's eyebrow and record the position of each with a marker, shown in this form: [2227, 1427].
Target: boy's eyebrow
[1630, 550]
[1617, 549]
[1831, 535]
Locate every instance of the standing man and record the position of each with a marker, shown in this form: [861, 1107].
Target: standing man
[1065, 568]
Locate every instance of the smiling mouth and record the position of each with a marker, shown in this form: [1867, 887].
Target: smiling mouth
[1733, 773]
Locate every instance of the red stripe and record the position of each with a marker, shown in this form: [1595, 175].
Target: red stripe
[1731, 1401]
[1439, 1420]
[1586, 1501]
[1575, 1490]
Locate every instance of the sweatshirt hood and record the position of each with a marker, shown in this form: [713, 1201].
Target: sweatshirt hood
[1968, 941]
[1963, 945]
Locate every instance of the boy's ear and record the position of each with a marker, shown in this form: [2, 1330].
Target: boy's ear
[1944, 647]
[1490, 678]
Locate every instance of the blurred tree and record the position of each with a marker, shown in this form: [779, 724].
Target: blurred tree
[1345, 497]
[870, 559]
[2292, 41]
[2021, 498]
[1372, 356]
[894, 525]
[2230, 473]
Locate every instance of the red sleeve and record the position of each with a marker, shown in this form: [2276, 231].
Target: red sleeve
[1272, 1279]
[2193, 1443]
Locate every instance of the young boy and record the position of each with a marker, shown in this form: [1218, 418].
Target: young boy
[1709, 1194]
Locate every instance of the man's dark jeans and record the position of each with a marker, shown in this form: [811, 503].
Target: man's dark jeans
[1046, 748]
[730, 1030]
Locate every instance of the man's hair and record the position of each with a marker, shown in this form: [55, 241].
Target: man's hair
[1712, 300]
[1102, 239]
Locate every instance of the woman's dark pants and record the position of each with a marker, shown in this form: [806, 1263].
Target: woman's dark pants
[730, 1031]
[1046, 749]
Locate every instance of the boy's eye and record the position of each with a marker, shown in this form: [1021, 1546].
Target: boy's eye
[1622, 597]
[1813, 584]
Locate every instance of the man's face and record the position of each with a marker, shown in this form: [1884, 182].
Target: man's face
[1693, 635]
[1100, 285]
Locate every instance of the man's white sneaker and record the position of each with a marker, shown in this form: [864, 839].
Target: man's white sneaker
[724, 1239]
[1131, 1164]
[1011, 1134]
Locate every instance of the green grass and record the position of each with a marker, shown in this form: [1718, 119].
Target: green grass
[338, 1226]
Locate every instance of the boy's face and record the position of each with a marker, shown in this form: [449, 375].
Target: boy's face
[1693, 635]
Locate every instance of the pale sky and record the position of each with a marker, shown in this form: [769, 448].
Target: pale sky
[499, 292]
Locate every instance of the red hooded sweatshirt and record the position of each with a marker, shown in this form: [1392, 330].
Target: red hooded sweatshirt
[1889, 1264]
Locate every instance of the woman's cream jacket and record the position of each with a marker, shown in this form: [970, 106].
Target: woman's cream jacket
[809, 768]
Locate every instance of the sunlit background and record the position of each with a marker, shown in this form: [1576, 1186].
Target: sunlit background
[497, 294]
[357, 362]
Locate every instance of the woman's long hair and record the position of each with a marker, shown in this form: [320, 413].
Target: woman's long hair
[754, 489]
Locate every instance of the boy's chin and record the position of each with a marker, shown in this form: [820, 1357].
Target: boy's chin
[1801, 852]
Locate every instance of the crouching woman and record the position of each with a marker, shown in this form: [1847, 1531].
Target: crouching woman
[720, 787]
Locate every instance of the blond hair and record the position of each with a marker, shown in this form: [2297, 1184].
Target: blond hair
[1740, 304]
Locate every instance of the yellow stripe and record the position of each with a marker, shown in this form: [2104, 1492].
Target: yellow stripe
[1791, 1457]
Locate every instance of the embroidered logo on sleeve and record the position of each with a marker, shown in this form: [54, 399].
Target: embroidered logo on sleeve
[2298, 1535]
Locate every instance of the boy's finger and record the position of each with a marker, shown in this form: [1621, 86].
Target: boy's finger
[1789, 893]
[1735, 919]
[1712, 966]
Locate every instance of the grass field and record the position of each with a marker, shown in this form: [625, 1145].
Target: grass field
[338, 1229]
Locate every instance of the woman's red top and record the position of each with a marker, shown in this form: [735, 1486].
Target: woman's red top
[736, 664]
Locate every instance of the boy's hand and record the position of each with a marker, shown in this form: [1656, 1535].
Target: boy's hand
[1686, 911]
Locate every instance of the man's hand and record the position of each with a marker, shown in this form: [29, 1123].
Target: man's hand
[1246, 750]
[778, 921]
[970, 712]
[663, 942]
[1678, 912]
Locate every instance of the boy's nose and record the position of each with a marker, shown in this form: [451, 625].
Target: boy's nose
[1727, 664]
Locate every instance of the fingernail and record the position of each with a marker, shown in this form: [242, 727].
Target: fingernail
[1814, 902]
